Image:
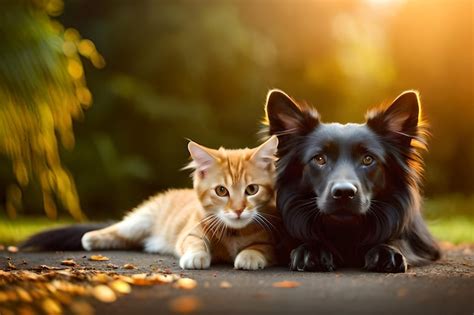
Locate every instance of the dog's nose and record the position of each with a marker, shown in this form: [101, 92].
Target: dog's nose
[343, 190]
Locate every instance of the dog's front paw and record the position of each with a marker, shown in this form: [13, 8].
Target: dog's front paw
[312, 258]
[250, 259]
[195, 260]
[384, 258]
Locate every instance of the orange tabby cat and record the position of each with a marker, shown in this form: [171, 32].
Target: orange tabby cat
[226, 217]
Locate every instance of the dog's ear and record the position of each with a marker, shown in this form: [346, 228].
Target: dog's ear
[285, 116]
[400, 120]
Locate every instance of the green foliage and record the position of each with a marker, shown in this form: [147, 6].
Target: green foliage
[42, 89]
[179, 69]
[13, 232]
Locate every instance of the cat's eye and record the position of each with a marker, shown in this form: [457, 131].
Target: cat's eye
[367, 160]
[251, 189]
[320, 159]
[221, 191]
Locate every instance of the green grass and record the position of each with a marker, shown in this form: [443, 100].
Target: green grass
[14, 231]
[455, 230]
[450, 218]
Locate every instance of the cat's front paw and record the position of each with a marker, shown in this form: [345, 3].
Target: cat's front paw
[250, 259]
[88, 240]
[384, 258]
[312, 258]
[195, 260]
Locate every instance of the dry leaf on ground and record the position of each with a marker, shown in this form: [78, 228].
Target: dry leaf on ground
[98, 258]
[10, 265]
[50, 306]
[129, 266]
[186, 284]
[104, 294]
[185, 304]
[69, 262]
[225, 285]
[120, 286]
[81, 308]
[286, 284]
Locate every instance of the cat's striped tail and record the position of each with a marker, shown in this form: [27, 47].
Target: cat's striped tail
[61, 239]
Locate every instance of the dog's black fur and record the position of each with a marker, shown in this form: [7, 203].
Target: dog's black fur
[350, 194]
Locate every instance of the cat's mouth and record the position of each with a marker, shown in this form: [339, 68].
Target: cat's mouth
[237, 222]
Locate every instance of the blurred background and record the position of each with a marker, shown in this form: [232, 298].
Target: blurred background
[97, 98]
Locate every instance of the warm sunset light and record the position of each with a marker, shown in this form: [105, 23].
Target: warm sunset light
[354, 120]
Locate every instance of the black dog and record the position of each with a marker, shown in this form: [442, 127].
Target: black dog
[351, 193]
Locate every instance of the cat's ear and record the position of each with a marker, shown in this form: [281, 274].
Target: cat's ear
[265, 154]
[203, 158]
[285, 116]
[400, 120]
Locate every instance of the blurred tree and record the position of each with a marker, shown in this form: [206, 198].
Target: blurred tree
[42, 89]
[182, 69]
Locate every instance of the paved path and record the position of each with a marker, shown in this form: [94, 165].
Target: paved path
[446, 287]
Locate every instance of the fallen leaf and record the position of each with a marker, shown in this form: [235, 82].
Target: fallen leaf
[104, 294]
[25, 310]
[24, 295]
[112, 266]
[81, 308]
[101, 277]
[45, 267]
[50, 306]
[120, 286]
[160, 278]
[98, 258]
[286, 284]
[186, 284]
[10, 265]
[12, 249]
[125, 278]
[69, 262]
[184, 304]
[129, 266]
[225, 285]
[3, 297]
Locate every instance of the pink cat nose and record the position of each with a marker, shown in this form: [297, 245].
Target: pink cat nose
[239, 212]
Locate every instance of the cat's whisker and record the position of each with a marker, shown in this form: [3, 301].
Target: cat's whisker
[222, 228]
[270, 224]
[214, 226]
[263, 223]
[257, 220]
[203, 221]
[269, 215]
[207, 221]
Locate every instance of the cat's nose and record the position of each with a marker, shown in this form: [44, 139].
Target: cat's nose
[238, 212]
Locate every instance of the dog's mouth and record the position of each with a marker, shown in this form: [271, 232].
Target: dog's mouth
[343, 215]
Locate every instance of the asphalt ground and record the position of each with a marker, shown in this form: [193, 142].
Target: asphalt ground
[445, 287]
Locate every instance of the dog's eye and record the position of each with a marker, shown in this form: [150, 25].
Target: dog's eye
[251, 189]
[367, 160]
[221, 191]
[320, 159]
